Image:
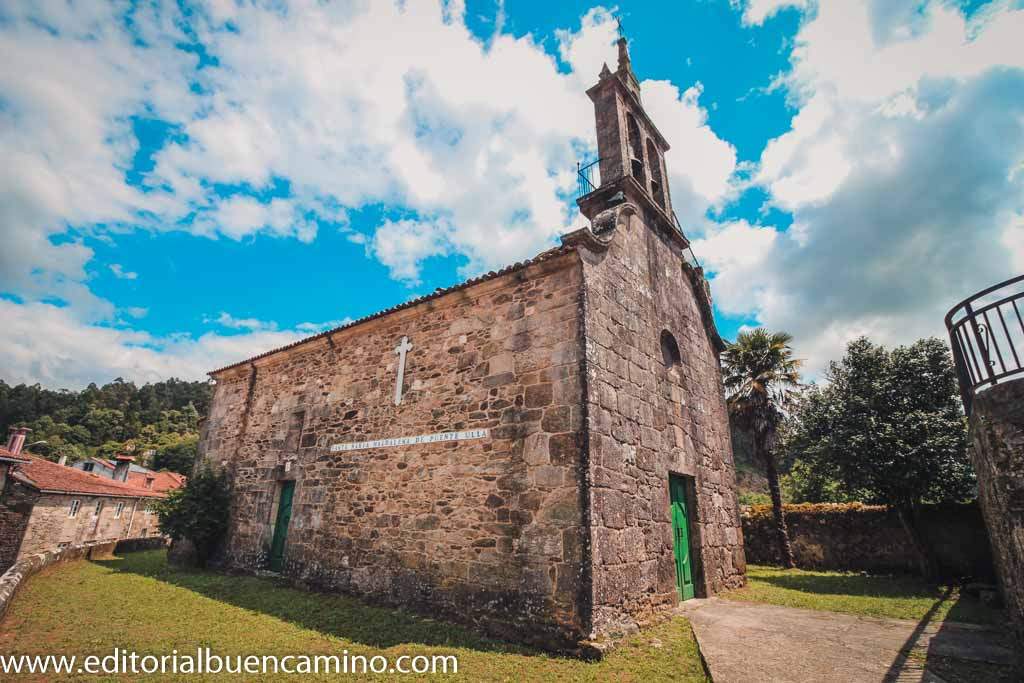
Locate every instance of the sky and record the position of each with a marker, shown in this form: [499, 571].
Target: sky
[187, 184]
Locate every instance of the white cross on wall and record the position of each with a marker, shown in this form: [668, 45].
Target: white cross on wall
[403, 348]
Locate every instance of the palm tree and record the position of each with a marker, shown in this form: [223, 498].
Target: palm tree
[761, 379]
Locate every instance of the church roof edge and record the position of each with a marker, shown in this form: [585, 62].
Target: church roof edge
[547, 255]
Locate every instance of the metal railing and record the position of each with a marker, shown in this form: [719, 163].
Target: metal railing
[986, 331]
[585, 176]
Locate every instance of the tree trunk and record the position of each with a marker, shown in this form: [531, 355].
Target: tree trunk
[781, 532]
[909, 518]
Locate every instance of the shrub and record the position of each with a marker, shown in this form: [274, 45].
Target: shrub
[198, 512]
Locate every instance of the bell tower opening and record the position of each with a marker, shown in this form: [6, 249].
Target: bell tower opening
[636, 149]
[630, 148]
[657, 188]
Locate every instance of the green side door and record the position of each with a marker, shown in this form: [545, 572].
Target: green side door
[681, 537]
[284, 515]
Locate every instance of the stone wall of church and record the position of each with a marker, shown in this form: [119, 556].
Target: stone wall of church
[487, 530]
[647, 420]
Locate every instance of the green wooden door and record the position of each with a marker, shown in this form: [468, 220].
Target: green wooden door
[284, 515]
[681, 537]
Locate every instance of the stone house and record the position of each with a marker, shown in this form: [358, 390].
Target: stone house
[47, 506]
[542, 451]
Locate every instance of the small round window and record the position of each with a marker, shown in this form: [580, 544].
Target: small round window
[669, 349]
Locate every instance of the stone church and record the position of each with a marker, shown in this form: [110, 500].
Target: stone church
[542, 452]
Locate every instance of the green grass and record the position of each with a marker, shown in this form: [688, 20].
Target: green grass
[896, 597]
[137, 602]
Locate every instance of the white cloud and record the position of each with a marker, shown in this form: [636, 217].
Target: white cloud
[756, 12]
[342, 106]
[48, 344]
[901, 171]
[70, 82]
[239, 216]
[120, 273]
[314, 328]
[699, 162]
[402, 245]
[225, 319]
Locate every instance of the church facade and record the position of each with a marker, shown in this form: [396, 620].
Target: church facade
[542, 451]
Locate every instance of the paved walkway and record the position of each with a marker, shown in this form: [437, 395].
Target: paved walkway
[744, 641]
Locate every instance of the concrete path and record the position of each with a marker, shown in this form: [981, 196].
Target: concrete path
[745, 641]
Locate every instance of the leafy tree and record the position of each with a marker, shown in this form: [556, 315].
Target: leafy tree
[106, 424]
[118, 414]
[110, 449]
[198, 512]
[753, 498]
[761, 377]
[178, 455]
[889, 429]
[806, 484]
[56, 448]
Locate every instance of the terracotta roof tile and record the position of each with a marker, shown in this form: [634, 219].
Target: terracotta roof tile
[7, 456]
[49, 476]
[162, 481]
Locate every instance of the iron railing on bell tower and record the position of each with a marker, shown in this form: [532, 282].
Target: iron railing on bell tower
[986, 331]
[588, 178]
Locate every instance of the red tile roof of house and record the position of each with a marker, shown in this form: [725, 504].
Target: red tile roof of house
[7, 456]
[162, 481]
[47, 476]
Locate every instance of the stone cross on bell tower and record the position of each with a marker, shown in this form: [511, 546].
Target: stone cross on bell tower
[630, 147]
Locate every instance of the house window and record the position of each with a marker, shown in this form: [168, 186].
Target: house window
[118, 510]
[73, 509]
[88, 467]
[98, 509]
[669, 349]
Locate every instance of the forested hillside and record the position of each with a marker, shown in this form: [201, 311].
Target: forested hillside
[158, 423]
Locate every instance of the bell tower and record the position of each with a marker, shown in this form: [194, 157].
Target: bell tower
[630, 147]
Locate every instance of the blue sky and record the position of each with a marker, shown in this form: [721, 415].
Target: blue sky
[193, 183]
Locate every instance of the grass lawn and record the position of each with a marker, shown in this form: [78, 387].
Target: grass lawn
[896, 597]
[137, 602]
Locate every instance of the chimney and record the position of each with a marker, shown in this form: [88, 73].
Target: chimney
[149, 481]
[122, 463]
[16, 439]
[63, 460]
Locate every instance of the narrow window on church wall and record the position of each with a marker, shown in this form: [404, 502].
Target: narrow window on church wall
[294, 436]
[669, 350]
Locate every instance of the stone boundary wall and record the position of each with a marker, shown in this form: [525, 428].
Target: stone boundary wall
[20, 571]
[856, 537]
[996, 435]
